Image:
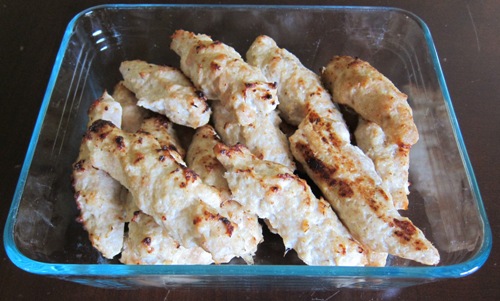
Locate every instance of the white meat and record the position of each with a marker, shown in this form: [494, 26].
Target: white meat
[164, 132]
[299, 89]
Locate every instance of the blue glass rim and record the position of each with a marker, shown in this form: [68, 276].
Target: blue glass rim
[116, 270]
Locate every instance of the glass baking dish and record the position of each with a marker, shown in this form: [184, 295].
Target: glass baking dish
[41, 234]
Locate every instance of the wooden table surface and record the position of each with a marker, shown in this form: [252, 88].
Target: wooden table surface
[466, 34]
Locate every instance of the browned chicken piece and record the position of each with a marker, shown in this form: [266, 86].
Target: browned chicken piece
[263, 137]
[299, 89]
[355, 83]
[348, 180]
[132, 114]
[201, 158]
[149, 243]
[164, 132]
[391, 161]
[220, 72]
[167, 91]
[172, 194]
[98, 196]
[307, 224]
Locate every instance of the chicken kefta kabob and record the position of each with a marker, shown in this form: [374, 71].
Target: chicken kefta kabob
[221, 74]
[99, 196]
[167, 91]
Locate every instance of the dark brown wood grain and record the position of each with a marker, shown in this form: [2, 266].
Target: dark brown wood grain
[468, 44]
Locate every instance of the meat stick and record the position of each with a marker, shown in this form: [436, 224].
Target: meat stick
[219, 71]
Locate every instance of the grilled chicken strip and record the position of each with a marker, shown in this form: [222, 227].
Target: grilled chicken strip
[391, 161]
[167, 91]
[263, 137]
[348, 180]
[149, 243]
[220, 72]
[201, 158]
[132, 114]
[98, 196]
[306, 224]
[374, 97]
[172, 194]
[299, 89]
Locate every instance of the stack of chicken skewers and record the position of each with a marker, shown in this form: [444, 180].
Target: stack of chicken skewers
[204, 204]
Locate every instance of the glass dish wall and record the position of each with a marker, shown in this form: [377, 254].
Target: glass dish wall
[42, 236]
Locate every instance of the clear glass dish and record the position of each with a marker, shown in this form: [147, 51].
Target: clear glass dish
[41, 235]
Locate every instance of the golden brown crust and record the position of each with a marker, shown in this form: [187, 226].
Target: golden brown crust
[357, 84]
[348, 180]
